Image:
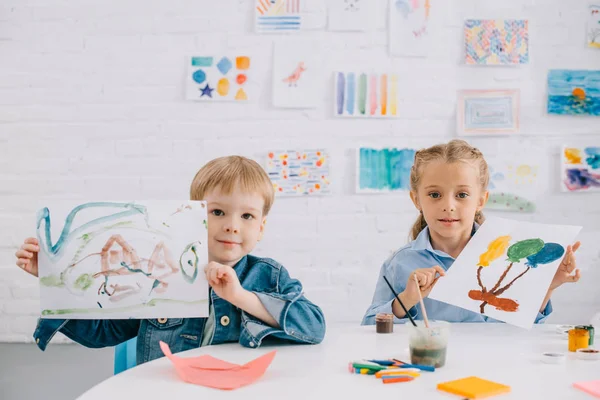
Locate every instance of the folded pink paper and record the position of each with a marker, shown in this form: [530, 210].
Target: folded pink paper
[214, 373]
[591, 387]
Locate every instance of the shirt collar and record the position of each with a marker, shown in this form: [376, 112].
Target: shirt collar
[423, 241]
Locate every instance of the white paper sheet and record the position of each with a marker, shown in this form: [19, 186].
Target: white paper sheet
[499, 246]
[118, 260]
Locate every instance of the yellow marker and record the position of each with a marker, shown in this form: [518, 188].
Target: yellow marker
[397, 373]
[495, 249]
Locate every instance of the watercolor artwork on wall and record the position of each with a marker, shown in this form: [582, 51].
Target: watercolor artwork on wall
[296, 78]
[574, 92]
[220, 78]
[278, 16]
[580, 169]
[488, 112]
[593, 26]
[513, 185]
[383, 170]
[116, 260]
[299, 173]
[410, 27]
[496, 42]
[349, 15]
[365, 95]
[505, 270]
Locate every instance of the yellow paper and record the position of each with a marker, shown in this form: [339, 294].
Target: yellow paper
[473, 387]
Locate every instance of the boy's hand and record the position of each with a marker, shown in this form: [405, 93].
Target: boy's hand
[566, 267]
[27, 256]
[427, 279]
[224, 281]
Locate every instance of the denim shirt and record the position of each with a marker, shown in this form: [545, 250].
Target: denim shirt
[420, 254]
[300, 320]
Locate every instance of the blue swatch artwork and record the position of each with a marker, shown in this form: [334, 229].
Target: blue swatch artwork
[384, 170]
[574, 92]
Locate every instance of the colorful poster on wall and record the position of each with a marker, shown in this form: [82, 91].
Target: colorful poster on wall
[296, 75]
[574, 92]
[383, 170]
[299, 172]
[580, 170]
[488, 112]
[365, 95]
[410, 32]
[218, 78]
[497, 42]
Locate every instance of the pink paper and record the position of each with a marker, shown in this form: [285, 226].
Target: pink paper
[591, 387]
[212, 372]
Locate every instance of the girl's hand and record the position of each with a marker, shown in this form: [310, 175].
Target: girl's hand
[426, 278]
[566, 268]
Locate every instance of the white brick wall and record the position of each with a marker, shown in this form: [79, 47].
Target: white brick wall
[91, 102]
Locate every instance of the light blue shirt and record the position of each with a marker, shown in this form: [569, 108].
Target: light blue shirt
[420, 254]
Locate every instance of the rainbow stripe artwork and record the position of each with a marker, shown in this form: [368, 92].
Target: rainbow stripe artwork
[299, 172]
[366, 95]
[277, 16]
[496, 42]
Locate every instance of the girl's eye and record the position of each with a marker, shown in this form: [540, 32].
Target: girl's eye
[217, 213]
[247, 216]
[463, 195]
[434, 195]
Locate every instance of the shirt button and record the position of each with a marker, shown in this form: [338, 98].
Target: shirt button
[251, 344]
[37, 340]
[224, 320]
[162, 320]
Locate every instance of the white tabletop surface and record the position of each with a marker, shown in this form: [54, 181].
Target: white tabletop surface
[497, 352]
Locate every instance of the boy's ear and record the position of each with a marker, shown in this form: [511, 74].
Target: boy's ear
[483, 200]
[415, 199]
[262, 228]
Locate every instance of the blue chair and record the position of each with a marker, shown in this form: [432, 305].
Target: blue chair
[125, 355]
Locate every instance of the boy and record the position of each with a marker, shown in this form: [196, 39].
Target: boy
[251, 298]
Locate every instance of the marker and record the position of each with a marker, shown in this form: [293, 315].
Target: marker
[421, 367]
[387, 363]
[384, 374]
[395, 379]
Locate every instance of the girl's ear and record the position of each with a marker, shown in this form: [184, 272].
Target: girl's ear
[483, 200]
[415, 199]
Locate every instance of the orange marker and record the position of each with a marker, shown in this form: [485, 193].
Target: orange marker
[397, 379]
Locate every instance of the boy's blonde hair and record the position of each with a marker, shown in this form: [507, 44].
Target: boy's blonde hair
[224, 173]
[451, 152]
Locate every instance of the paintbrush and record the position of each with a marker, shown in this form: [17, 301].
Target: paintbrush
[400, 301]
[422, 304]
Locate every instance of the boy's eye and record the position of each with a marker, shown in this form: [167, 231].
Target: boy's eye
[434, 195]
[463, 195]
[247, 216]
[217, 213]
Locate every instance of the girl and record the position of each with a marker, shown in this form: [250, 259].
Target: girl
[449, 188]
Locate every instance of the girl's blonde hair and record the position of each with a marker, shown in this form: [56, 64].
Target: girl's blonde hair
[451, 152]
[225, 173]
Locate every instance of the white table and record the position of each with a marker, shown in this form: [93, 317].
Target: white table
[497, 352]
